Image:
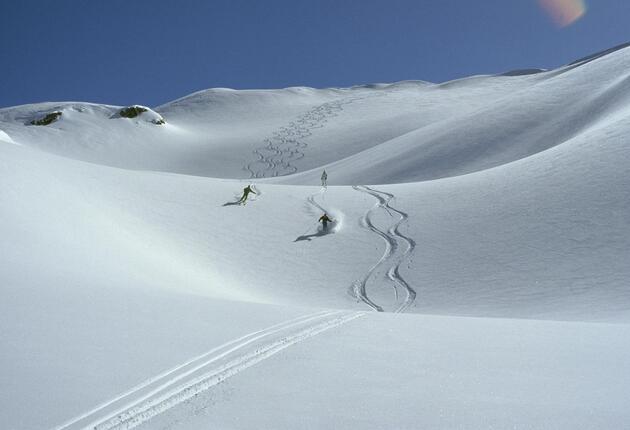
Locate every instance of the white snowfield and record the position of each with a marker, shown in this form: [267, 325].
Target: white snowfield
[476, 273]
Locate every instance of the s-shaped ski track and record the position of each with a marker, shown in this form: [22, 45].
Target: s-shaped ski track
[286, 145]
[177, 385]
[398, 249]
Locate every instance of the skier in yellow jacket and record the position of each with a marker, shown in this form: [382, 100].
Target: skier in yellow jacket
[324, 219]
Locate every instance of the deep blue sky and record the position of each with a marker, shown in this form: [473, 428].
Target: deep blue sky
[150, 52]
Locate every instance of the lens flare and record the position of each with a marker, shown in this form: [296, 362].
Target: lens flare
[564, 12]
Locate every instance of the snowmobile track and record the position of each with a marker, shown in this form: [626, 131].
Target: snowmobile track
[177, 385]
[398, 249]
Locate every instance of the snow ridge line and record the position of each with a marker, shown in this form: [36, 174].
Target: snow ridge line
[141, 413]
[393, 255]
[178, 372]
[285, 146]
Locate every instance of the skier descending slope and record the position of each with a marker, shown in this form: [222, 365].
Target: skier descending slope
[324, 219]
[246, 191]
[324, 179]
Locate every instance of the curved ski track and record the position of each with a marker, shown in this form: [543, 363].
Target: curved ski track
[286, 145]
[398, 248]
[172, 387]
[312, 202]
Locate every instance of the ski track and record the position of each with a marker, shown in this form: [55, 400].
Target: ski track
[393, 257]
[285, 146]
[312, 202]
[335, 225]
[69, 424]
[174, 386]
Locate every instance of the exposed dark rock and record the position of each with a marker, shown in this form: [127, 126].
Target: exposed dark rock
[132, 111]
[136, 110]
[48, 119]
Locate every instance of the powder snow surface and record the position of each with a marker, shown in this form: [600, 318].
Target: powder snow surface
[487, 218]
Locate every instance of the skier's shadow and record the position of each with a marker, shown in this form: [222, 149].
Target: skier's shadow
[238, 202]
[310, 237]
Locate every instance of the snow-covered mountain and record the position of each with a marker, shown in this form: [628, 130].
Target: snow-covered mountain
[495, 209]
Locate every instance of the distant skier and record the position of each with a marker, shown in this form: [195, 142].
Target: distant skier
[324, 219]
[246, 191]
[324, 179]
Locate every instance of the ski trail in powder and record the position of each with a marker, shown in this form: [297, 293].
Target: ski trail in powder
[398, 249]
[163, 376]
[177, 385]
[321, 209]
[311, 200]
[285, 146]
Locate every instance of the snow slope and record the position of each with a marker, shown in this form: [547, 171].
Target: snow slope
[500, 203]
